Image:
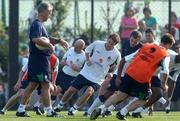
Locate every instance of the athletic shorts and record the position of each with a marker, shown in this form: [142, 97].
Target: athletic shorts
[112, 84]
[39, 68]
[156, 82]
[64, 81]
[24, 84]
[80, 82]
[134, 88]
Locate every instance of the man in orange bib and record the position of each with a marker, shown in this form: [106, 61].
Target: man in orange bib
[138, 75]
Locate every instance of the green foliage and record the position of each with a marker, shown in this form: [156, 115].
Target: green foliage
[3, 50]
[60, 12]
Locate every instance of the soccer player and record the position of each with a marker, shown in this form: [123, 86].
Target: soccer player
[100, 57]
[138, 74]
[108, 87]
[23, 82]
[72, 61]
[38, 65]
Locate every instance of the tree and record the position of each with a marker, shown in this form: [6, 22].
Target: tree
[60, 12]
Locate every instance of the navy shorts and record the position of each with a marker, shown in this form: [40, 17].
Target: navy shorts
[64, 81]
[134, 88]
[39, 68]
[80, 82]
[24, 84]
[156, 82]
[112, 84]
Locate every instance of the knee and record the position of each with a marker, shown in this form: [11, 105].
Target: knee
[89, 91]
[72, 90]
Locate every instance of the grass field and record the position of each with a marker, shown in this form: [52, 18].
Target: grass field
[157, 116]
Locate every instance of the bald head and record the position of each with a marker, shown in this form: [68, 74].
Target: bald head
[79, 45]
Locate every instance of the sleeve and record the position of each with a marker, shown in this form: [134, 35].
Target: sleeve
[25, 67]
[56, 67]
[165, 65]
[36, 30]
[65, 55]
[90, 48]
[128, 58]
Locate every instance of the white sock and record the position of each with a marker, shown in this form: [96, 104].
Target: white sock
[131, 101]
[103, 108]
[48, 110]
[21, 108]
[138, 110]
[37, 104]
[3, 110]
[124, 111]
[111, 108]
[61, 102]
[162, 100]
[95, 104]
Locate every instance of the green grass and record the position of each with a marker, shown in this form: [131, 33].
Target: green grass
[157, 116]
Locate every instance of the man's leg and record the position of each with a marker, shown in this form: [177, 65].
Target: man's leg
[12, 101]
[25, 99]
[66, 97]
[82, 100]
[114, 99]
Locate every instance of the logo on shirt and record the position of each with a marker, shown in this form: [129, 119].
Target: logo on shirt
[109, 58]
[100, 60]
[152, 50]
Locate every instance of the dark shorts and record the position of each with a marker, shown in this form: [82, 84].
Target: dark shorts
[64, 81]
[112, 84]
[156, 82]
[80, 82]
[134, 88]
[24, 84]
[39, 68]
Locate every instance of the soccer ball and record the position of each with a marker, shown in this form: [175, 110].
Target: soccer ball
[41, 47]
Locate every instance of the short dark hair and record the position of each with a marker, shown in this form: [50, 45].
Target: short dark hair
[167, 38]
[43, 7]
[150, 30]
[147, 9]
[136, 34]
[115, 37]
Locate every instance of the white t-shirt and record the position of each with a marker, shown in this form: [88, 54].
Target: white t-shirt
[72, 57]
[101, 61]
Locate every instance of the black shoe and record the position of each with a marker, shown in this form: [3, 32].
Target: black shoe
[107, 113]
[37, 110]
[167, 111]
[54, 114]
[120, 116]
[86, 114]
[137, 115]
[58, 108]
[94, 115]
[70, 113]
[2, 113]
[22, 114]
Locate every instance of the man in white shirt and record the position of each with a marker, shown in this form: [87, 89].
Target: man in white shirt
[100, 57]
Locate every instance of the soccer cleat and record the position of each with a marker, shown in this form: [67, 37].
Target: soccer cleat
[58, 108]
[94, 115]
[86, 114]
[37, 110]
[167, 111]
[120, 116]
[107, 113]
[54, 114]
[137, 115]
[22, 114]
[128, 114]
[2, 113]
[70, 113]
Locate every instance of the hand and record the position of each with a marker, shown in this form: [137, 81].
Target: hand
[74, 67]
[109, 76]
[64, 43]
[63, 62]
[89, 62]
[17, 86]
[51, 48]
[165, 87]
